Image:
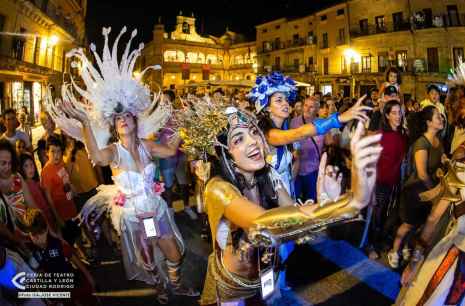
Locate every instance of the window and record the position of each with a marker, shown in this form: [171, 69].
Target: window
[186, 28]
[264, 30]
[383, 61]
[310, 61]
[36, 56]
[428, 16]
[325, 41]
[311, 39]
[325, 66]
[366, 63]
[295, 39]
[323, 17]
[398, 20]
[296, 63]
[401, 57]
[453, 15]
[344, 66]
[364, 26]
[277, 43]
[267, 46]
[2, 24]
[18, 46]
[277, 27]
[342, 37]
[380, 24]
[277, 63]
[433, 60]
[457, 53]
[340, 12]
[296, 27]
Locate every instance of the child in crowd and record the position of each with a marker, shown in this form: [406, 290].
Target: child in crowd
[393, 78]
[56, 183]
[20, 147]
[28, 169]
[55, 255]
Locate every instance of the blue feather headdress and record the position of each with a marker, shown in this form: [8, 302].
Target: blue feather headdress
[266, 86]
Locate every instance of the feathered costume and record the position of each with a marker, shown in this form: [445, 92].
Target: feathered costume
[112, 88]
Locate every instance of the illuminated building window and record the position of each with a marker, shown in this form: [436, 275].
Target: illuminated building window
[401, 57]
[174, 56]
[196, 58]
[366, 63]
[212, 59]
[383, 61]
[457, 53]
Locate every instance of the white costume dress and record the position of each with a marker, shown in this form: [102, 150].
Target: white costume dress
[141, 258]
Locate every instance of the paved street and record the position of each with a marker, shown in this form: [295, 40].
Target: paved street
[328, 273]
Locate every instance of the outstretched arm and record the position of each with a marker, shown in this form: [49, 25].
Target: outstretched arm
[162, 150]
[277, 137]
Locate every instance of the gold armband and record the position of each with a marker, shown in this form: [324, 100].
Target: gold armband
[293, 223]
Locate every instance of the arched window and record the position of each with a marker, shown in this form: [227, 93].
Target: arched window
[174, 56]
[186, 28]
[238, 60]
[212, 59]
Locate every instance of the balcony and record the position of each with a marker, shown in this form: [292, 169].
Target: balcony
[291, 68]
[296, 43]
[374, 29]
[12, 64]
[438, 21]
[56, 15]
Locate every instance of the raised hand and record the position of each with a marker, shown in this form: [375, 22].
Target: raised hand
[366, 151]
[73, 112]
[358, 111]
[329, 181]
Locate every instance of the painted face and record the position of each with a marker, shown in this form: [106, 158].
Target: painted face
[311, 107]
[247, 148]
[392, 77]
[5, 164]
[394, 117]
[279, 107]
[125, 123]
[55, 155]
[29, 169]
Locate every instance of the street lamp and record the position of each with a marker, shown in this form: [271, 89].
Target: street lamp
[352, 57]
[53, 40]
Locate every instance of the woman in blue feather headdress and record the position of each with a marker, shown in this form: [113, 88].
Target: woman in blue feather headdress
[272, 95]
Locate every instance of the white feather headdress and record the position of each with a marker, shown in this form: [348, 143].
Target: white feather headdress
[110, 88]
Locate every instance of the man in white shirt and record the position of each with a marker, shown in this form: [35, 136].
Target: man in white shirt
[11, 134]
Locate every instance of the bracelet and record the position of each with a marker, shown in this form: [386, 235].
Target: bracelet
[417, 256]
[325, 125]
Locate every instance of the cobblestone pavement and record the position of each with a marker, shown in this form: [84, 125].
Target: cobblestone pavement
[324, 273]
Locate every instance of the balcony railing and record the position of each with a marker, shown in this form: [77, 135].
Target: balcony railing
[438, 21]
[279, 45]
[374, 29]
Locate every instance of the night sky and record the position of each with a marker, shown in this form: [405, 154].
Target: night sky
[212, 16]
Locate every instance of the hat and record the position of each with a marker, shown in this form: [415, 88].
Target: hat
[266, 86]
[390, 90]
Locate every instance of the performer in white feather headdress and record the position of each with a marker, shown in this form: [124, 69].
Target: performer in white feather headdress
[116, 103]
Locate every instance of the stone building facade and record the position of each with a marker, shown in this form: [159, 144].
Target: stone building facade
[348, 47]
[187, 57]
[35, 36]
